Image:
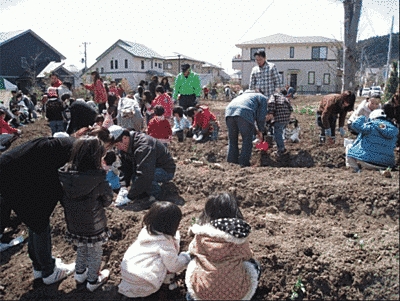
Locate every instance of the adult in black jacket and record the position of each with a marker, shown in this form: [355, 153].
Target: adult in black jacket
[145, 163]
[30, 186]
[82, 115]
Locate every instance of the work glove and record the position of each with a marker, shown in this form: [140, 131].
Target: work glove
[341, 131]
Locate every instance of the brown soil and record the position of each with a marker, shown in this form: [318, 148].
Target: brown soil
[312, 220]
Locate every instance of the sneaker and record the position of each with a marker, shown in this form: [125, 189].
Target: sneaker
[81, 278]
[70, 268]
[103, 277]
[122, 197]
[255, 141]
[194, 137]
[37, 274]
[58, 275]
[199, 137]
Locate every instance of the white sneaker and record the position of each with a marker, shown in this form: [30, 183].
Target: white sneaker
[195, 137]
[81, 278]
[199, 137]
[122, 197]
[58, 275]
[70, 268]
[103, 277]
[255, 141]
[37, 274]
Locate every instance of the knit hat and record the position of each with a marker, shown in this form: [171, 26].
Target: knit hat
[115, 131]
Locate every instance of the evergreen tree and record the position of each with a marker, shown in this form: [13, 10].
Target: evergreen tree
[392, 83]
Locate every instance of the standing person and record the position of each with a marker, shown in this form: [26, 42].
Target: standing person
[165, 84]
[222, 265]
[82, 115]
[279, 110]
[86, 193]
[264, 77]
[205, 92]
[35, 164]
[164, 100]
[146, 162]
[187, 87]
[113, 88]
[55, 82]
[240, 115]
[100, 94]
[154, 257]
[330, 106]
[214, 92]
[153, 85]
[54, 111]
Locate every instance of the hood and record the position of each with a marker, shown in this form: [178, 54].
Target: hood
[77, 184]
[145, 237]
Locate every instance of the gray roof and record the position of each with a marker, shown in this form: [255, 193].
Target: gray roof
[52, 66]
[286, 39]
[6, 37]
[135, 49]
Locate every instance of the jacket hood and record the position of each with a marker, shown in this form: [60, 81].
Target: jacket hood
[146, 237]
[77, 184]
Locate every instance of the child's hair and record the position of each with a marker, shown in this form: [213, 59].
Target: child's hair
[110, 158]
[178, 110]
[160, 89]
[99, 118]
[388, 108]
[87, 153]
[159, 110]
[65, 96]
[222, 205]
[190, 111]
[283, 92]
[163, 217]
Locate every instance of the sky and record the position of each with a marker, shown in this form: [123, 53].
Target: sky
[203, 29]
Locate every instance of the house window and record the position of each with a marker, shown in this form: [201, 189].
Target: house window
[311, 78]
[193, 66]
[281, 76]
[97, 69]
[116, 64]
[126, 64]
[112, 64]
[159, 65]
[291, 52]
[327, 78]
[142, 64]
[101, 70]
[319, 53]
[168, 66]
[254, 50]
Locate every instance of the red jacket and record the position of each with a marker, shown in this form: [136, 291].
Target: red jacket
[5, 128]
[203, 118]
[100, 94]
[165, 101]
[160, 129]
[113, 90]
[57, 84]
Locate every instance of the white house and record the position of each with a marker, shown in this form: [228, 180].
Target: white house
[129, 60]
[309, 64]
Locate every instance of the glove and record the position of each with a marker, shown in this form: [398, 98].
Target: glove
[328, 132]
[19, 132]
[342, 132]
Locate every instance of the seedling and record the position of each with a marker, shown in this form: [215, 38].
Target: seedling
[193, 221]
[298, 286]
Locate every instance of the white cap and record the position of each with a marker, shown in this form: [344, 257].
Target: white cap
[378, 113]
[115, 131]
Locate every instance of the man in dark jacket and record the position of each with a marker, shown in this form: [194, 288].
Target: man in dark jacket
[146, 162]
[29, 185]
[82, 115]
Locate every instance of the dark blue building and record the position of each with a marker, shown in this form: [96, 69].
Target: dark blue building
[23, 54]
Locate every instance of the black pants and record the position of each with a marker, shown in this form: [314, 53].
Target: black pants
[186, 101]
[332, 124]
[102, 106]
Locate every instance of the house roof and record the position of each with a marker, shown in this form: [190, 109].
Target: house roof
[6, 37]
[280, 38]
[52, 66]
[133, 48]
[175, 56]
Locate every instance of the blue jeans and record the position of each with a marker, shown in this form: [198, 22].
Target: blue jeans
[39, 250]
[278, 135]
[57, 126]
[160, 176]
[236, 125]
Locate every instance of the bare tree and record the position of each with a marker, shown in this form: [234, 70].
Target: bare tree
[352, 12]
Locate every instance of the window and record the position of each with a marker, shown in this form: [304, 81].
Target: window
[281, 76]
[126, 64]
[254, 50]
[327, 78]
[101, 70]
[291, 52]
[168, 66]
[112, 64]
[193, 66]
[142, 64]
[97, 69]
[159, 65]
[319, 53]
[311, 78]
[116, 64]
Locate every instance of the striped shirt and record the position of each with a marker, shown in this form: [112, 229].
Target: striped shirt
[265, 79]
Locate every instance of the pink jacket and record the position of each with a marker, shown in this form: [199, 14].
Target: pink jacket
[100, 94]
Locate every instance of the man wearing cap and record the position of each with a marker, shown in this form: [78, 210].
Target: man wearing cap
[146, 162]
[187, 87]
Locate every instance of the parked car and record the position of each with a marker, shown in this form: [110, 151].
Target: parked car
[375, 90]
[365, 92]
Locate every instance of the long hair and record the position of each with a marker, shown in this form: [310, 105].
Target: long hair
[86, 155]
[222, 205]
[96, 75]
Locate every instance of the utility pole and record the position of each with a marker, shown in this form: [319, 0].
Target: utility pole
[179, 63]
[389, 52]
[85, 44]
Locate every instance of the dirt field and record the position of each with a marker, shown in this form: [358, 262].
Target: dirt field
[315, 224]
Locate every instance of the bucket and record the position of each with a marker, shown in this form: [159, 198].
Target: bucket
[347, 141]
